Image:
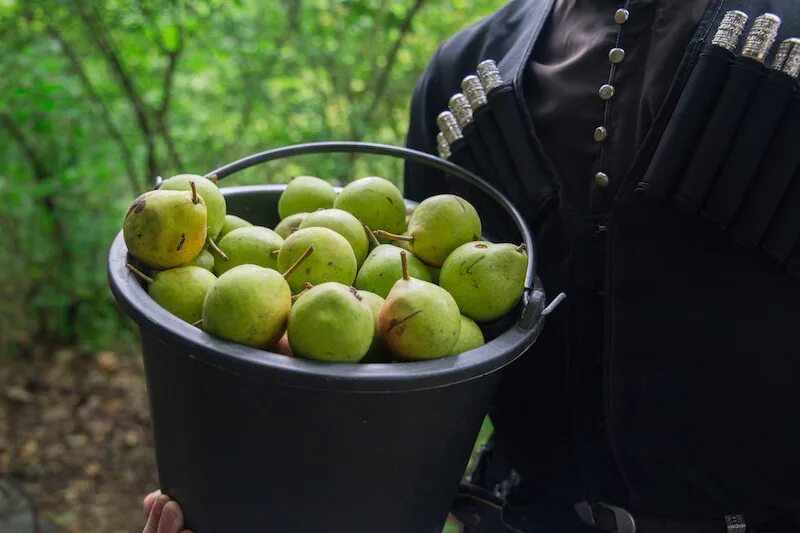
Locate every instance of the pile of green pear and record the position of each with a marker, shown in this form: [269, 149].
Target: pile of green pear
[346, 277]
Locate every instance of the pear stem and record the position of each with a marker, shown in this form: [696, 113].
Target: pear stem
[522, 248]
[195, 199]
[213, 178]
[373, 241]
[404, 264]
[214, 248]
[198, 324]
[393, 236]
[299, 261]
[144, 277]
[306, 287]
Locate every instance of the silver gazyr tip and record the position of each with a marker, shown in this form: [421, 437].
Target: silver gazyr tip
[761, 36]
[443, 146]
[474, 91]
[489, 75]
[730, 29]
[460, 107]
[448, 125]
[787, 58]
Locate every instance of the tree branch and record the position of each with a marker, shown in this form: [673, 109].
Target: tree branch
[166, 98]
[391, 60]
[160, 112]
[36, 163]
[102, 41]
[40, 172]
[102, 110]
[250, 77]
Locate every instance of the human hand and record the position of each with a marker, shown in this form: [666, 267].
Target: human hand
[163, 515]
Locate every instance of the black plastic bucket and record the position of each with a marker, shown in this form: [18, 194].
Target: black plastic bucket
[248, 440]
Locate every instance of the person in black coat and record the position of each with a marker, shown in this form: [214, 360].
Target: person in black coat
[655, 400]
[622, 402]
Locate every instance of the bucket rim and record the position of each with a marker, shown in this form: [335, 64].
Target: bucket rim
[153, 320]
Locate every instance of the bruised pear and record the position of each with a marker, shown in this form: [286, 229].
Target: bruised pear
[282, 346]
[208, 190]
[470, 337]
[333, 258]
[345, 225]
[250, 304]
[439, 225]
[255, 245]
[376, 352]
[165, 229]
[179, 290]
[305, 194]
[289, 224]
[204, 260]
[330, 323]
[374, 201]
[232, 222]
[383, 267]
[485, 279]
[419, 320]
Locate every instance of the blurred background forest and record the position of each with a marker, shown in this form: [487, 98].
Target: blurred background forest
[96, 99]
[99, 97]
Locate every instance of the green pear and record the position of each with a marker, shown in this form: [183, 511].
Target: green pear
[289, 224]
[345, 225]
[232, 222]
[255, 245]
[179, 290]
[305, 194]
[165, 229]
[383, 267]
[204, 260]
[377, 351]
[485, 279]
[250, 304]
[470, 337]
[333, 258]
[376, 202]
[439, 225]
[405, 245]
[419, 320]
[208, 190]
[330, 323]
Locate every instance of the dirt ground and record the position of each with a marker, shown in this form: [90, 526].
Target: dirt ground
[75, 435]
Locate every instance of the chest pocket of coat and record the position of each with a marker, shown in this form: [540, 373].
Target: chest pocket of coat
[731, 154]
[496, 144]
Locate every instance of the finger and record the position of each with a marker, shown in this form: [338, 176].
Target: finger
[171, 519]
[155, 514]
[149, 500]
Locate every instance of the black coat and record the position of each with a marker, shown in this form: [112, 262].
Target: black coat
[667, 383]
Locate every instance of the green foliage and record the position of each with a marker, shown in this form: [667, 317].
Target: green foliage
[99, 97]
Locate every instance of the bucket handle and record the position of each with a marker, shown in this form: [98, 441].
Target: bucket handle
[407, 154]
[403, 153]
